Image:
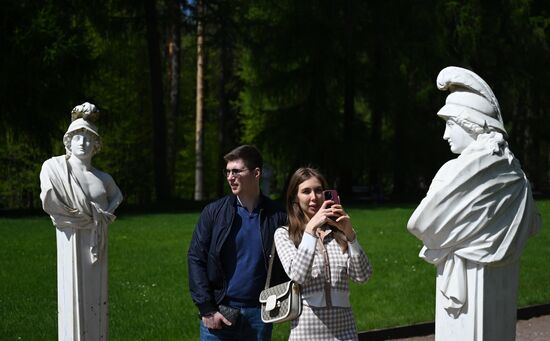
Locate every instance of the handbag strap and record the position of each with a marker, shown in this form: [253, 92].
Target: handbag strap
[271, 257]
[268, 279]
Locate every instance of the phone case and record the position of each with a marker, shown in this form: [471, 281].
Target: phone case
[331, 194]
[230, 313]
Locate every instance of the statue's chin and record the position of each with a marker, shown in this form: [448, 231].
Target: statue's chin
[456, 151]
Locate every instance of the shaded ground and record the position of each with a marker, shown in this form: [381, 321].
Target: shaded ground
[534, 329]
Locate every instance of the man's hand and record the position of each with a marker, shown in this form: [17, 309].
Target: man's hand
[215, 321]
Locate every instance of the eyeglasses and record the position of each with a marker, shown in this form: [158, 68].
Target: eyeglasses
[235, 172]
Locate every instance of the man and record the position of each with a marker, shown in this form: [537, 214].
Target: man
[476, 217]
[229, 253]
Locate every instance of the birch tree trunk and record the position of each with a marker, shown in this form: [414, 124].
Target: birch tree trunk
[199, 128]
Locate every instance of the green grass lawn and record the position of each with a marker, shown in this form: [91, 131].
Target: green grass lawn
[148, 290]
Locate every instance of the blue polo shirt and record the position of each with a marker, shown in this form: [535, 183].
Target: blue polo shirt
[243, 259]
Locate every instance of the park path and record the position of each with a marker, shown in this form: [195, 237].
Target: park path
[534, 329]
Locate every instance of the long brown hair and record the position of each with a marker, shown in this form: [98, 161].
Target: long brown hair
[297, 219]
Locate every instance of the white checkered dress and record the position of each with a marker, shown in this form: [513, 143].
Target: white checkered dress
[306, 266]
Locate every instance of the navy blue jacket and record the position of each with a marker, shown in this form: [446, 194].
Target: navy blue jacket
[207, 282]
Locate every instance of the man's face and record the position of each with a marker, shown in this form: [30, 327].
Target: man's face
[82, 144]
[241, 179]
[457, 137]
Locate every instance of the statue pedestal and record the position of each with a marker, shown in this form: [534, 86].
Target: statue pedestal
[82, 288]
[491, 306]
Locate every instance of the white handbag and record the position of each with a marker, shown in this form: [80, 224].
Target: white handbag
[282, 302]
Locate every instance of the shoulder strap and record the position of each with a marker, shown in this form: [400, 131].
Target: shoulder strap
[271, 257]
[268, 279]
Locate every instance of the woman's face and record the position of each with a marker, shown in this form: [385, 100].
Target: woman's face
[310, 196]
[457, 137]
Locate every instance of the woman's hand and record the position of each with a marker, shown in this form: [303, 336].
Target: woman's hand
[320, 218]
[342, 222]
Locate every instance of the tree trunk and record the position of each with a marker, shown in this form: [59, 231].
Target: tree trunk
[199, 129]
[173, 48]
[346, 173]
[225, 122]
[378, 103]
[157, 110]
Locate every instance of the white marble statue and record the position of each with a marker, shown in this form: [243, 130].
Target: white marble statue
[80, 201]
[476, 217]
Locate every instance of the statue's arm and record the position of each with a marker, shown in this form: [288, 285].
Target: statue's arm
[114, 195]
[51, 203]
[443, 177]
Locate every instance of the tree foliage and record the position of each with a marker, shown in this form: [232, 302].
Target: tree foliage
[346, 86]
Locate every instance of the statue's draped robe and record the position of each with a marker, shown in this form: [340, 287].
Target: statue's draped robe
[81, 231]
[478, 213]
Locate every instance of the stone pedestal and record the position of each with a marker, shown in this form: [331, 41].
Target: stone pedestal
[81, 288]
[491, 306]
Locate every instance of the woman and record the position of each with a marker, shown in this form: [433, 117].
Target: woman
[319, 250]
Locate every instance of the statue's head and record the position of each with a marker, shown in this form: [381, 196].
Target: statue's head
[82, 125]
[457, 136]
[471, 105]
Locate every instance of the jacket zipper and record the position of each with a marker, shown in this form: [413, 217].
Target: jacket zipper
[266, 258]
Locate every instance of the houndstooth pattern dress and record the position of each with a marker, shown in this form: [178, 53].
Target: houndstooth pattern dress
[326, 313]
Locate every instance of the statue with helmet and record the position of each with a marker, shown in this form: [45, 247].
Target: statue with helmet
[476, 217]
[81, 201]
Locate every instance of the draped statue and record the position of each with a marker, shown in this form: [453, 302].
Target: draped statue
[81, 201]
[476, 217]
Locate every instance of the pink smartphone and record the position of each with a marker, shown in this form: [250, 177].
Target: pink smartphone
[331, 194]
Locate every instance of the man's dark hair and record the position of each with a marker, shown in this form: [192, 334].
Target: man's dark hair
[249, 154]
